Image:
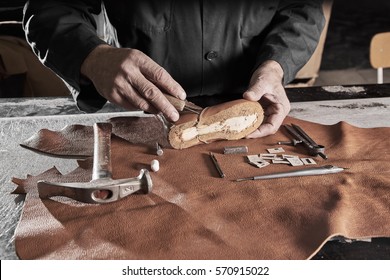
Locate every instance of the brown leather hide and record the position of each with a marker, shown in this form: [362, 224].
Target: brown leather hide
[194, 214]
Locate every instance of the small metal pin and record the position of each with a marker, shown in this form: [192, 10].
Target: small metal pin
[217, 166]
[159, 151]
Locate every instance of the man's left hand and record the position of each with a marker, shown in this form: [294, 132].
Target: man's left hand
[266, 86]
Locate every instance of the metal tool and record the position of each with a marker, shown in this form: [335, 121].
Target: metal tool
[159, 150]
[293, 142]
[327, 169]
[102, 188]
[183, 105]
[235, 150]
[313, 148]
[217, 166]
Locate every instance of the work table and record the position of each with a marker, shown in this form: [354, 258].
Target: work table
[21, 118]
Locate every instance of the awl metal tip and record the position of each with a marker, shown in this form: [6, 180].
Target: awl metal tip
[323, 155]
[243, 179]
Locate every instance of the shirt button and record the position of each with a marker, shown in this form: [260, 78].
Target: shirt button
[211, 55]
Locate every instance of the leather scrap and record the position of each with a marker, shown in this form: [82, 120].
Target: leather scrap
[76, 141]
[194, 214]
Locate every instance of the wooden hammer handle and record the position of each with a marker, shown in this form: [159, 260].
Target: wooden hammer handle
[176, 102]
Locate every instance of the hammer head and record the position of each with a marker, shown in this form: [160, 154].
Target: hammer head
[99, 191]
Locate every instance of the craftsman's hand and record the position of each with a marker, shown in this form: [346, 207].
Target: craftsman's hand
[132, 80]
[266, 86]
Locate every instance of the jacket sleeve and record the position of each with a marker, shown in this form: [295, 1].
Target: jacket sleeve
[62, 34]
[293, 35]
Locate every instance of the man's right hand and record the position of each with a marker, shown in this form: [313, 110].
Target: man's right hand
[132, 80]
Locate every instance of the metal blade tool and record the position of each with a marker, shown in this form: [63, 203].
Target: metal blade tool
[313, 148]
[102, 188]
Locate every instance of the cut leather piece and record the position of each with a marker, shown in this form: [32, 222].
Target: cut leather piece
[76, 141]
[73, 141]
[81, 174]
[227, 121]
[141, 130]
[194, 214]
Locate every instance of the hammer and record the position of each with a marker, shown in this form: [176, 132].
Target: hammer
[102, 188]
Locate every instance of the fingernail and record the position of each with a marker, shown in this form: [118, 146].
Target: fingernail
[182, 95]
[174, 116]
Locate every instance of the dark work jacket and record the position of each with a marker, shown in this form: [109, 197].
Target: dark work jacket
[209, 47]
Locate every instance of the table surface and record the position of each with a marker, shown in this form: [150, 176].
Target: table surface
[21, 118]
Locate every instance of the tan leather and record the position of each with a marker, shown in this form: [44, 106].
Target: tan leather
[194, 214]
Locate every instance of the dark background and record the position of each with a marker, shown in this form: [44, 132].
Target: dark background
[352, 25]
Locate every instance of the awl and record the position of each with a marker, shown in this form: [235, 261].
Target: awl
[326, 169]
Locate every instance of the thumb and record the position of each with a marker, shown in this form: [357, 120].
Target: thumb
[253, 93]
[250, 95]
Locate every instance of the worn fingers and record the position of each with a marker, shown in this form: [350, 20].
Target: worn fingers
[162, 79]
[118, 98]
[133, 80]
[124, 95]
[154, 97]
[274, 116]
